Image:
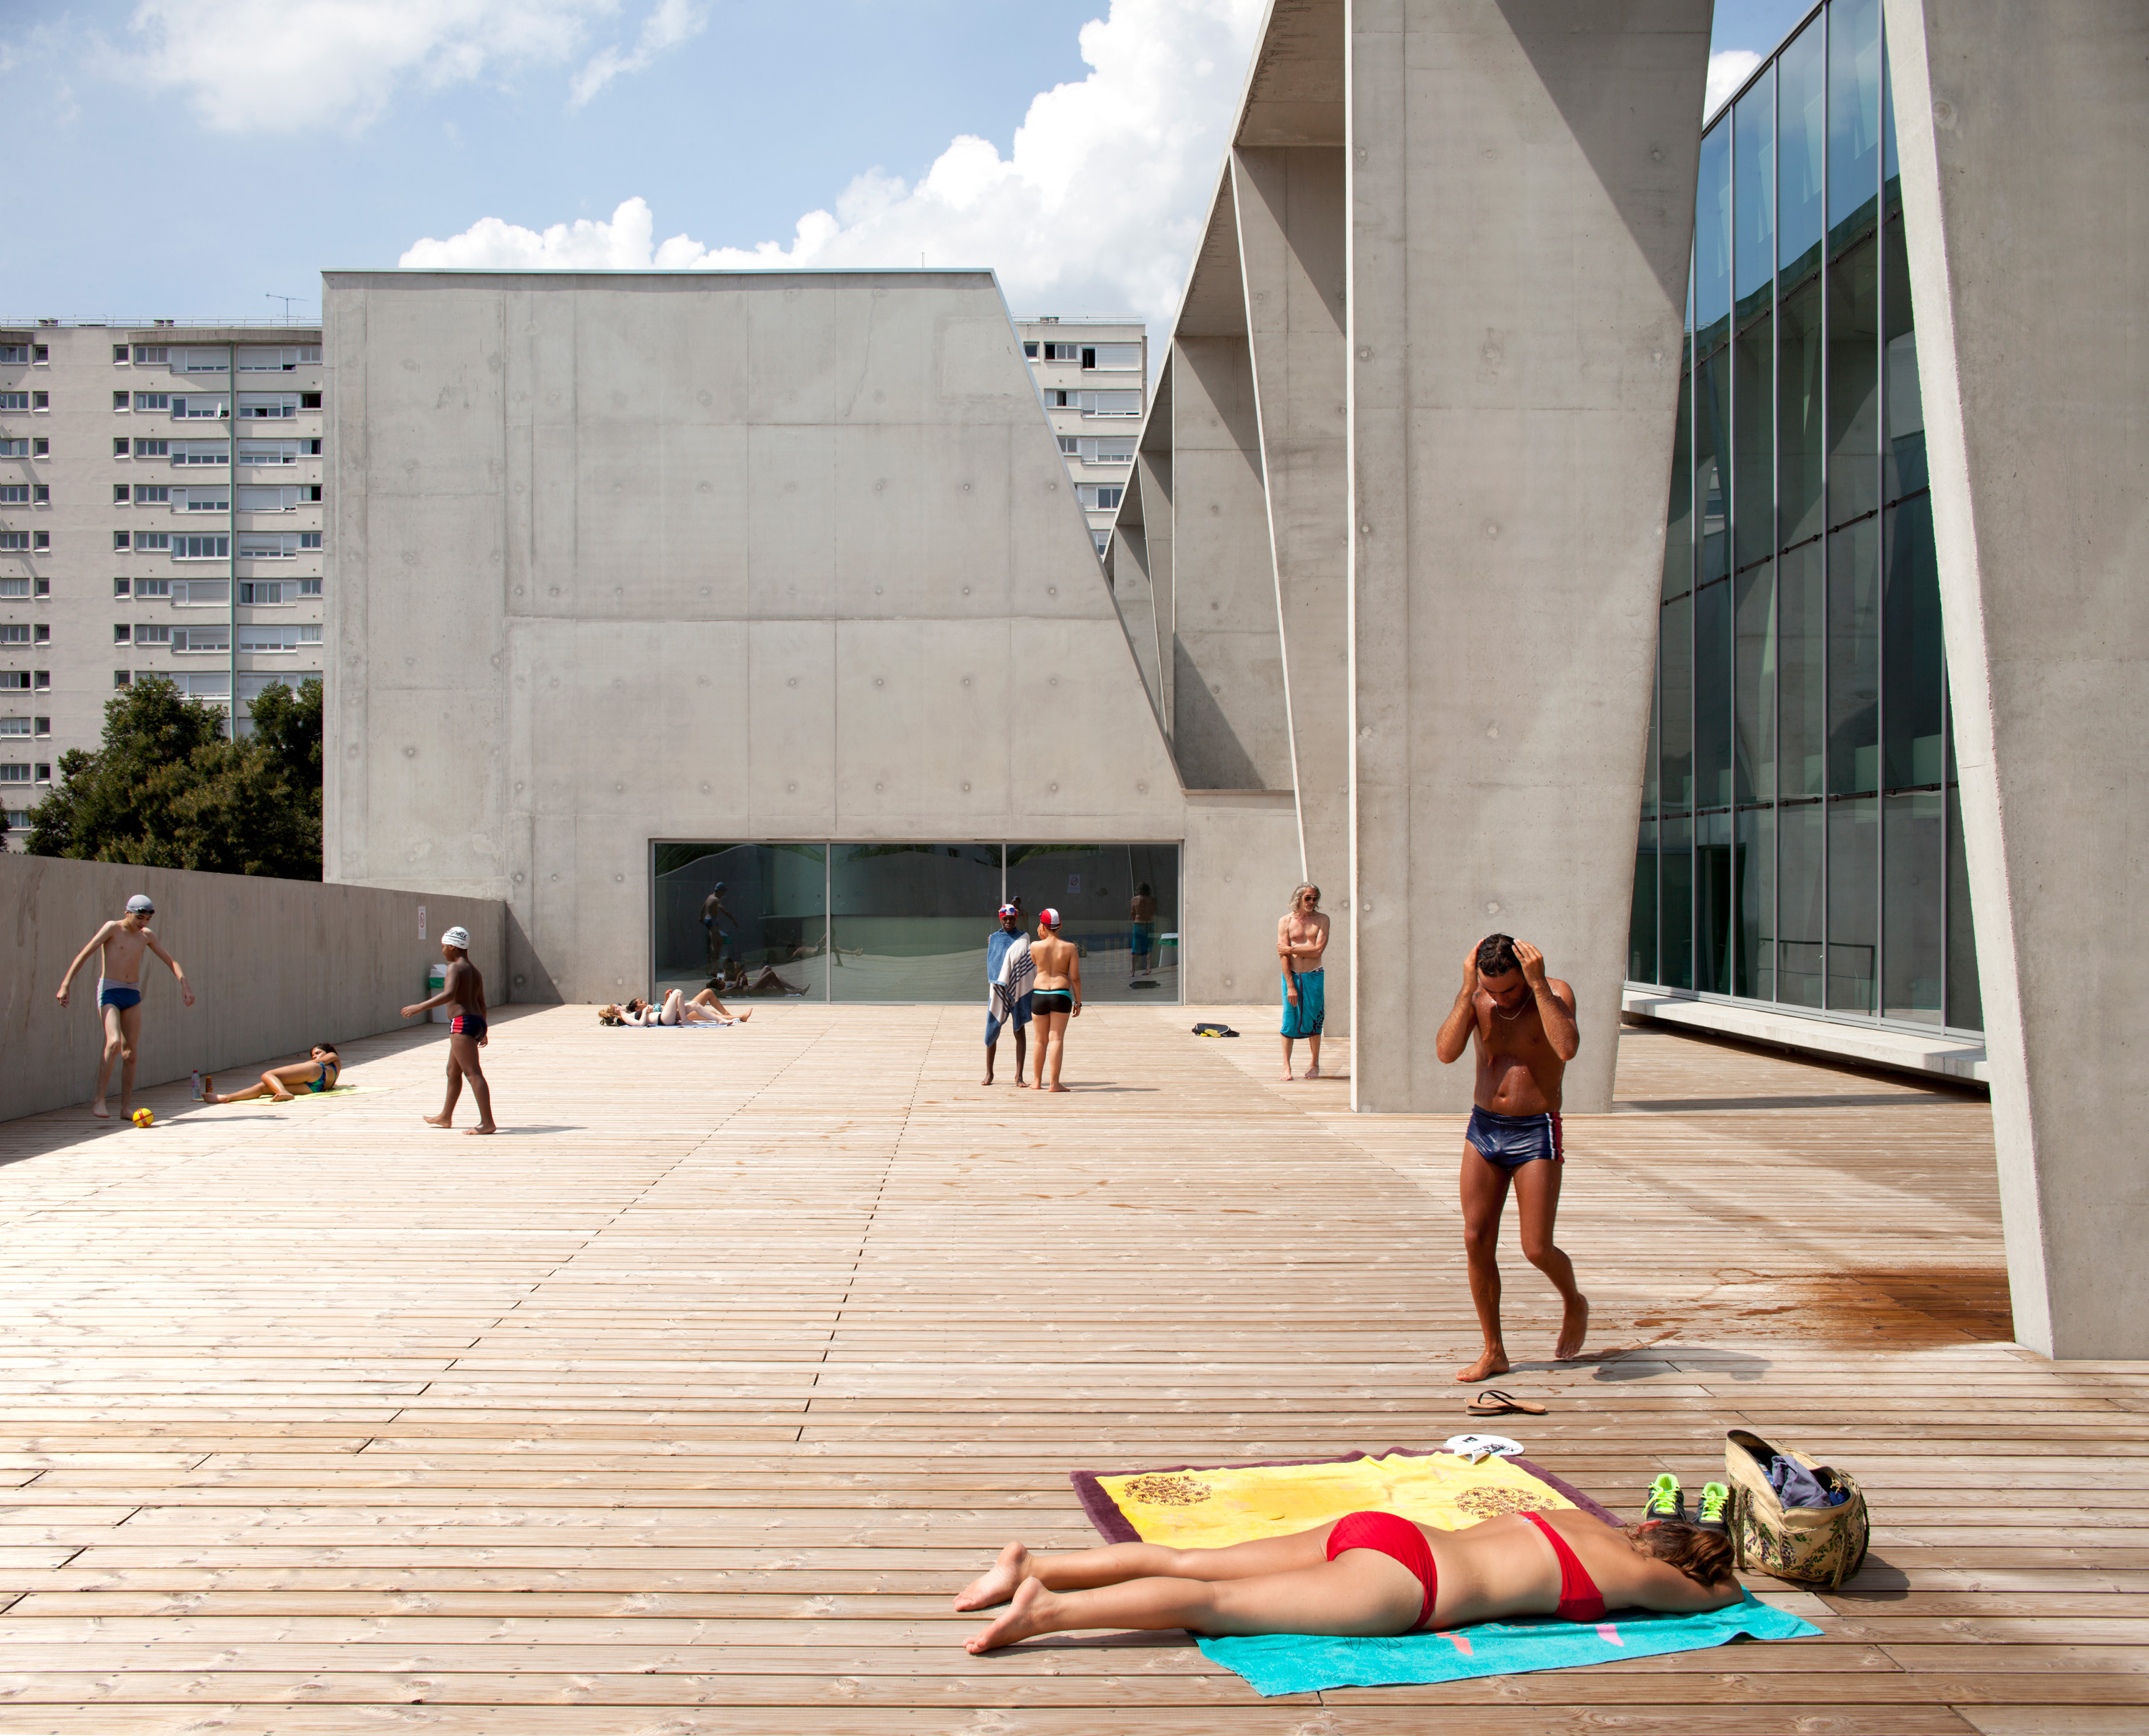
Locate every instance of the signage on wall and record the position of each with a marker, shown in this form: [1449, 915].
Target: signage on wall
[422, 922]
[1074, 886]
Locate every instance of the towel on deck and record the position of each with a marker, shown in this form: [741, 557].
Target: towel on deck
[1009, 971]
[1208, 1507]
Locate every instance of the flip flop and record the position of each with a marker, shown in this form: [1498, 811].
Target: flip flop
[1493, 1402]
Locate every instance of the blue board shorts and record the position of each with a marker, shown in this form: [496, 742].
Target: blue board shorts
[1303, 1017]
[122, 995]
[1143, 937]
[1513, 1140]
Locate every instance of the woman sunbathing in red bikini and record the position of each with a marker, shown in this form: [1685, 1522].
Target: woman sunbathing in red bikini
[1366, 1573]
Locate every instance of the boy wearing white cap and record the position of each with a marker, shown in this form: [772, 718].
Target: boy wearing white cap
[465, 991]
[119, 993]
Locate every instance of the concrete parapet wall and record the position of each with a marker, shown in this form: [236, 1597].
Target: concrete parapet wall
[276, 966]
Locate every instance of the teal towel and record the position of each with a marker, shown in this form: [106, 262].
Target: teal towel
[1306, 1663]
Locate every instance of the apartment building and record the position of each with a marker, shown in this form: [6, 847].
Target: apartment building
[1093, 375]
[161, 513]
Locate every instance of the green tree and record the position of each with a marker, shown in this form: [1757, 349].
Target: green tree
[168, 788]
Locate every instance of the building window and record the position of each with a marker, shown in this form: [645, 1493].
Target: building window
[1071, 446]
[262, 359]
[153, 494]
[41, 681]
[43, 774]
[10, 448]
[123, 678]
[41, 400]
[40, 494]
[1112, 357]
[14, 633]
[257, 407]
[148, 588]
[124, 539]
[149, 355]
[119, 353]
[14, 355]
[279, 500]
[14, 587]
[119, 400]
[40, 447]
[41, 634]
[260, 453]
[200, 452]
[120, 632]
[200, 361]
[1102, 540]
[14, 494]
[201, 500]
[14, 726]
[200, 548]
[14, 400]
[152, 401]
[153, 448]
[201, 593]
[310, 539]
[120, 447]
[41, 539]
[14, 771]
[195, 407]
[14, 681]
[1111, 404]
[201, 638]
[309, 587]
[1063, 352]
[259, 636]
[147, 634]
[14, 542]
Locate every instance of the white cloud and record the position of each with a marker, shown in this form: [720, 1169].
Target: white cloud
[672, 23]
[1726, 72]
[238, 59]
[1097, 208]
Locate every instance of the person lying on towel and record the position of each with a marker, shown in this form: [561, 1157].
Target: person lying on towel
[1365, 1573]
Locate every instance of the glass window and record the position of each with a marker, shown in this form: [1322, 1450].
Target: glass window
[1853, 383]
[1853, 658]
[1675, 903]
[1755, 124]
[1853, 903]
[1903, 453]
[1802, 134]
[1801, 623]
[1798, 415]
[1799, 903]
[1854, 118]
[1119, 904]
[1913, 658]
[1754, 417]
[1679, 532]
[1913, 907]
[1712, 449]
[1966, 1010]
[1712, 695]
[1641, 923]
[908, 922]
[1891, 171]
[1711, 236]
[1754, 685]
[1675, 735]
[1753, 889]
[1713, 911]
[756, 905]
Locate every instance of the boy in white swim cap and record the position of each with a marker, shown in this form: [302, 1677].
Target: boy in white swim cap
[464, 992]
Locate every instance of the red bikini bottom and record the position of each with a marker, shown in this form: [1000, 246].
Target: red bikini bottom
[1394, 1537]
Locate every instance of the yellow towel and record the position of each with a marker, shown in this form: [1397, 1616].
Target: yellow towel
[1210, 1509]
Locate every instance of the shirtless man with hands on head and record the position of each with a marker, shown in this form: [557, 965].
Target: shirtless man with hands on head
[1523, 1022]
[119, 993]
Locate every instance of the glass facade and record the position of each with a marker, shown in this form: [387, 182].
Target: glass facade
[906, 922]
[1801, 832]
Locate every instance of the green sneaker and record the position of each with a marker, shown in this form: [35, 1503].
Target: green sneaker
[1716, 1509]
[1666, 1500]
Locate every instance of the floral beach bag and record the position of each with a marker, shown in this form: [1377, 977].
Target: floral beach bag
[1821, 1544]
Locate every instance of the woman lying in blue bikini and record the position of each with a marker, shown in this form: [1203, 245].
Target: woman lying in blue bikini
[1366, 1573]
[284, 1083]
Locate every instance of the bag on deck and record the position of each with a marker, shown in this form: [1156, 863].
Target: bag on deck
[1812, 1545]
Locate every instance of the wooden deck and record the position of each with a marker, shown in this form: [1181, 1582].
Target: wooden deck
[684, 1406]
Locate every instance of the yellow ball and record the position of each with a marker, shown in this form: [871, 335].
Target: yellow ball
[142, 1118]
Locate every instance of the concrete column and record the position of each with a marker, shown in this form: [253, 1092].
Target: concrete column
[1291, 211]
[1521, 182]
[1229, 729]
[2022, 134]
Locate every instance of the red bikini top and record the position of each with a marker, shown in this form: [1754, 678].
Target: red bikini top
[1579, 1599]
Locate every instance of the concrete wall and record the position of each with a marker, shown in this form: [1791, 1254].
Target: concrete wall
[1522, 205]
[276, 966]
[2023, 130]
[656, 554]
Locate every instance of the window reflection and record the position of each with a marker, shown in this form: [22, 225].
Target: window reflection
[753, 906]
[1119, 904]
[1854, 118]
[908, 922]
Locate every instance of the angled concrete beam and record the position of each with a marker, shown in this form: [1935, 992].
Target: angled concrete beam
[1290, 205]
[1521, 179]
[2022, 132]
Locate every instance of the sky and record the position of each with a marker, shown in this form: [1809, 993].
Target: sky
[190, 158]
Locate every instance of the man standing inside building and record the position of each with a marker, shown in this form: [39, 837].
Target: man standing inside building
[1009, 971]
[119, 994]
[1142, 938]
[1301, 941]
[1524, 1025]
[715, 914]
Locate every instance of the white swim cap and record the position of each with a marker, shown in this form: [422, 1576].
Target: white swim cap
[459, 937]
[141, 902]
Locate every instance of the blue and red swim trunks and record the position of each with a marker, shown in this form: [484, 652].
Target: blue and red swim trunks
[1513, 1140]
